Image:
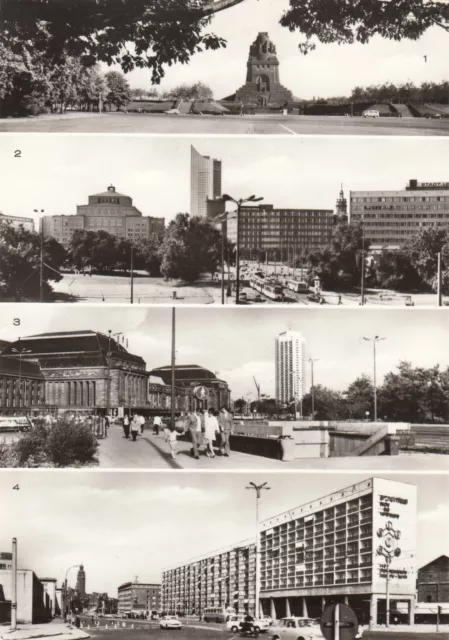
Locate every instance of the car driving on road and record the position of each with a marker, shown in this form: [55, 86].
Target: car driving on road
[170, 622]
[294, 628]
[234, 624]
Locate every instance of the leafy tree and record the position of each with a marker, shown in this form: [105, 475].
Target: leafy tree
[118, 91]
[415, 394]
[240, 405]
[164, 32]
[95, 249]
[197, 91]
[191, 246]
[359, 398]
[394, 270]
[423, 249]
[20, 263]
[339, 264]
[147, 255]
[328, 404]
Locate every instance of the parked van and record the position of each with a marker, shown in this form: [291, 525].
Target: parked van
[371, 113]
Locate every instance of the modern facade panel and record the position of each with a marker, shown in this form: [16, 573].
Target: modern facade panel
[224, 579]
[205, 182]
[327, 551]
[284, 233]
[22, 385]
[390, 218]
[290, 363]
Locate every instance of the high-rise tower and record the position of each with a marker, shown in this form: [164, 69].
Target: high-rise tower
[341, 207]
[290, 367]
[81, 582]
[205, 182]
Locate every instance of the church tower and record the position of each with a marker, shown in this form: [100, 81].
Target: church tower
[341, 207]
[263, 87]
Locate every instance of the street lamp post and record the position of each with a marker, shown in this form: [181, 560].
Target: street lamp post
[239, 203]
[258, 488]
[362, 274]
[388, 550]
[41, 262]
[312, 386]
[74, 566]
[374, 340]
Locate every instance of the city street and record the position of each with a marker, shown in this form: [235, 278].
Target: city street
[152, 452]
[242, 125]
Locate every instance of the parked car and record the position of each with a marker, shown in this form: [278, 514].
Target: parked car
[170, 622]
[235, 622]
[371, 113]
[268, 619]
[296, 628]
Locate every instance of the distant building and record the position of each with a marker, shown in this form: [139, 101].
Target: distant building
[225, 578]
[205, 182]
[5, 560]
[139, 597]
[108, 211]
[202, 387]
[290, 363]
[3, 344]
[81, 582]
[280, 233]
[83, 371]
[18, 221]
[390, 218]
[433, 581]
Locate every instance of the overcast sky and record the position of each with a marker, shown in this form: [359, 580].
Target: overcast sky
[120, 524]
[155, 171]
[330, 70]
[239, 343]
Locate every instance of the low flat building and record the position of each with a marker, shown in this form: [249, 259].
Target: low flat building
[33, 603]
[433, 581]
[18, 222]
[107, 211]
[272, 233]
[85, 371]
[221, 579]
[139, 597]
[390, 218]
[201, 387]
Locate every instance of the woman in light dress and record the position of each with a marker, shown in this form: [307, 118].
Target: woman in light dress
[211, 429]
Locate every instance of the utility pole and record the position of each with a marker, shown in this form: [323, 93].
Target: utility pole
[312, 386]
[439, 282]
[132, 274]
[173, 365]
[14, 586]
[258, 489]
[41, 269]
[362, 274]
[222, 262]
[374, 341]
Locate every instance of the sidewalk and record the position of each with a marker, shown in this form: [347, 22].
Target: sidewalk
[56, 630]
[152, 452]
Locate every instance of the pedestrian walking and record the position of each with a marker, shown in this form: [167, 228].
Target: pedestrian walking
[211, 430]
[193, 424]
[142, 423]
[107, 424]
[226, 423]
[172, 438]
[134, 427]
[157, 423]
[126, 425]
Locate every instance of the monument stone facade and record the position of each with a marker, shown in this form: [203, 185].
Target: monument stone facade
[263, 87]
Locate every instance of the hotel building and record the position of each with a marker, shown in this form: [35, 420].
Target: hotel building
[290, 363]
[328, 551]
[224, 578]
[205, 184]
[390, 218]
[108, 211]
[321, 552]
